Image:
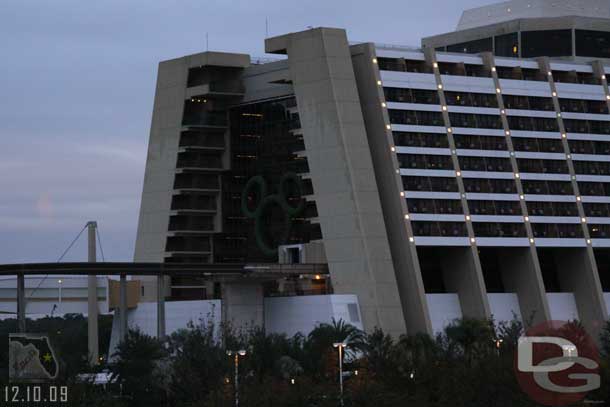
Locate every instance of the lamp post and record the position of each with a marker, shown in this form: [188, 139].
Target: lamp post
[340, 346]
[236, 355]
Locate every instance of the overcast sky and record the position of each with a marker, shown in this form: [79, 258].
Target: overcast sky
[77, 81]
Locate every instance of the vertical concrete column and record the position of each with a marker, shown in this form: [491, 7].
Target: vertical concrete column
[521, 274]
[92, 306]
[123, 327]
[342, 173]
[389, 181]
[576, 271]
[527, 282]
[243, 305]
[161, 306]
[465, 276]
[587, 289]
[21, 302]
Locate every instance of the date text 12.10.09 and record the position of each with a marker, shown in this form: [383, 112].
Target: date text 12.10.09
[34, 395]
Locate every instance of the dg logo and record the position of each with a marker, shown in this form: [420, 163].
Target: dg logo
[273, 214]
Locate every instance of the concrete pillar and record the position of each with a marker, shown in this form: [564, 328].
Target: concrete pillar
[123, 308]
[161, 306]
[578, 272]
[21, 303]
[342, 173]
[398, 225]
[243, 304]
[92, 309]
[462, 274]
[521, 274]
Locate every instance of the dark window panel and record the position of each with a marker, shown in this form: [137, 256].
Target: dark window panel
[429, 162]
[447, 229]
[420, 139]
[492, 186]
[549, 43]
[593, 43]
[507, 45]
[560, 230]
[542, 166]
[494, 207]
[492, 164]
[547, 187]
[472, 47]
[436, 184]
[442, 206]
[499, 229]
[475, 142]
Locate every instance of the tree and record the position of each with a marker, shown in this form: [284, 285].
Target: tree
[139, 368]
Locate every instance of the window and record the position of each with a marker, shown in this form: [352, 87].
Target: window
[493, 164]
[547, 187]
[449, 229]
[499, 229]
[542, 166]
[593, 43]
[537, 145]
[411, 96]
[551, 230]
[480, 121]
[596, 209]
[492, 186]
[416, 117]
[420, 139]
[429, 162]
[479, 142]
[439, 184]
[471, 99]
[443, 206]
[594, 188]
[592, 167]
[552, 208]
[472, 47]
[550, 43]
[494, 207]
[507, 45]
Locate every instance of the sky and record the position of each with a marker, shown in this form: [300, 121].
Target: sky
[77, 82]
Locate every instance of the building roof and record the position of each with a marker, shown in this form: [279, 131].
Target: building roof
[519, 9]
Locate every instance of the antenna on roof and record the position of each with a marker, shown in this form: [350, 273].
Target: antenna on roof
[207, 42]
[266, 27]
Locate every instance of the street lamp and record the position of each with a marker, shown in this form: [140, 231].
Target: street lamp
[340, 346]
[236, 354]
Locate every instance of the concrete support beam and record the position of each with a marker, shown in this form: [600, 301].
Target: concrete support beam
[123, 327]
[342, 173]
[577, 272]
[521, 274]
[161, 307]
[463, 275]
[243, 305]
[92, 305]
[21, 303]
[400, 233]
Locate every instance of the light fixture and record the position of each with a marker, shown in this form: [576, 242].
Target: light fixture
[463, 195]
[473, 240]
[498, 90]
[317, 277]
[568, 156]
[458, 173]
[374, 60]
[527, 218]
[435, 65]
[453, 152]
[440, 86]
[393, 148]
[397, 171]
[507, 132]
[388, 126]
[603, 77]
[522, 197]
[583, 220]
[578, 198]
[60, 281]
[517, 175]
[402, 193]
[449, 130]
[588, 241]
[549, 73]
[608, 97]
[574, 177]
[563, 135]
[411, 240]
[555, 94]
[558, 114]
[467, 217]
[512, 153]
[532, 241]
[444, 108]
[383, 104]
[379, 83]
[407, 217]
[493, 69]
[503, 111]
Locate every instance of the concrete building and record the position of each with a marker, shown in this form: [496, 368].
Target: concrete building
[469, 177]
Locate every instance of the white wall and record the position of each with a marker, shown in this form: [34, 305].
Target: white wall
[444, 309]
[562, 306]
[504, 307]
[290, 315]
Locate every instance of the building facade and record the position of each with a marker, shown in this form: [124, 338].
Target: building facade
[469, 177]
